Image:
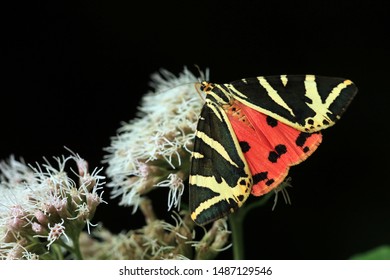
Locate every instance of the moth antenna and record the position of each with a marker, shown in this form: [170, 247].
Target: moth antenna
[203, 76]
[198, 90]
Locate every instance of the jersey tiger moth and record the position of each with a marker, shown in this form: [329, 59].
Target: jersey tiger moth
[252, 130]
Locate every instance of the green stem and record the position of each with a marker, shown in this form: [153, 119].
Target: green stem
[75, 236]
[236, 221]
[57, 252]
[76, 250]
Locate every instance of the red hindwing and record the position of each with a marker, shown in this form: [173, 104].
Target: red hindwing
[270, 147]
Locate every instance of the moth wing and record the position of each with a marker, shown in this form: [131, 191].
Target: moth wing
[270, 147]
[220, 180]
[308, 103]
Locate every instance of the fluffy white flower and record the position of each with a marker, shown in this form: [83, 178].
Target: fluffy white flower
[44, 201]
[154, 148]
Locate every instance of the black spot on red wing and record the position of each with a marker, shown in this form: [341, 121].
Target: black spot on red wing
[262, 176]
[259, 177]
[281, 149]
[306, 149]
[270, 182]
[277, 153]
[245, 147]
[273, 156]
[271, 121]
[301, 139]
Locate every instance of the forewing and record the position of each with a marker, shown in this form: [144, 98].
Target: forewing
[220, 180]
[308, 103]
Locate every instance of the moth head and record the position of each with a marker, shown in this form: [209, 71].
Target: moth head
[205, 86]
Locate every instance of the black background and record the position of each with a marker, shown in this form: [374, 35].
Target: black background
[72, 71]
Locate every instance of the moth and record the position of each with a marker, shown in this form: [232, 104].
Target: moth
[252, 130]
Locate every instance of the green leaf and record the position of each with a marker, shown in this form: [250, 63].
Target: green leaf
[379, 253]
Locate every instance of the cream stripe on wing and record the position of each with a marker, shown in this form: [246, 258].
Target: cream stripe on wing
[274, 94]
[224, 191]
[336, 92]
[321, 110]
[216, 146]
[284, 79]
[312, 91]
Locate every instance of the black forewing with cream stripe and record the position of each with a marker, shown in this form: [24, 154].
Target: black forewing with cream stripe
[306, 102]
[220, 179]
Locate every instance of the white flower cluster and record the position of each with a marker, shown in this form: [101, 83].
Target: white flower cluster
[42, 206]
[158, 239]
[43, 209]
[153, 150]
